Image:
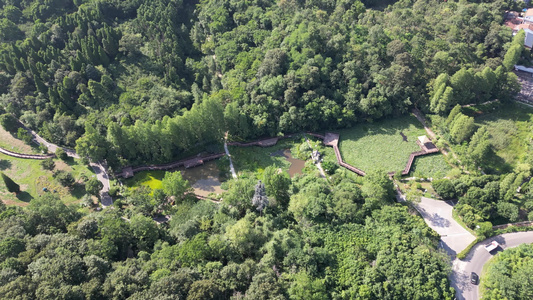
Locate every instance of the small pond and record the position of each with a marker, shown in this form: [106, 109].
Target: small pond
[204, 179]
[296, 166]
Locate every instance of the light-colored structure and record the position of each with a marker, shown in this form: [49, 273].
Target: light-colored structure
[517, 22]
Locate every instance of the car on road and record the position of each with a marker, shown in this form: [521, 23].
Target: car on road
[474, 279]
[492, 246]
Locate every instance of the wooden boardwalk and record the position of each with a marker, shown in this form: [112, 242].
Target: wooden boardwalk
[26, 156]
[427, 148]
[332, 139]
[261, 143]
[190, 162]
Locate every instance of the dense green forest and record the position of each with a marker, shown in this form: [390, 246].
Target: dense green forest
[148, 81]
[170, 76]
[307, 240]
[509, 275]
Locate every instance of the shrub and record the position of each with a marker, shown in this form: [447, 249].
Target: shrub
[64, 178]
[22, 134]
[329, 167]
[445, 188]
[43, 148]
[48, 164]
[61, 154]
[93, 186]
[113, 191]
[9, 122]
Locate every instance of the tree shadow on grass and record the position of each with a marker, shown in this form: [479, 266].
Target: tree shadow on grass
[4, 164]
[495, 164]
[78, 190]
[24, 196]
[71, 161]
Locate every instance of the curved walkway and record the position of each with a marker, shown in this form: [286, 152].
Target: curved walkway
[26, 156]
[454, 238]
[478, 256]
[438, 215]
[99, 168]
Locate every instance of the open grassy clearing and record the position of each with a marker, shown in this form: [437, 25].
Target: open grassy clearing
[380, 145]
[32, 179]
[11, 143]
[256, 159]
[432, 165]
[151, 179]
[510, 126]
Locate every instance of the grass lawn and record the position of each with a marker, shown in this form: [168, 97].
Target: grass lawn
[432, 165]
[11, 143]
[510, 126]
[256, 159]
[151, 179]
[379, 145]
[32, 179]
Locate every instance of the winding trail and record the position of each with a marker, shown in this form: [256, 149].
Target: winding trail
[99, 168]
[478, 256]
[454, 238]
[26, 156]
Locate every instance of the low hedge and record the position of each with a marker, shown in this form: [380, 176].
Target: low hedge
[509, 229]
[465, 252]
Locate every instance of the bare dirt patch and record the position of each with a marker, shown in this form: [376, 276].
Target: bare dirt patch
[61, 165]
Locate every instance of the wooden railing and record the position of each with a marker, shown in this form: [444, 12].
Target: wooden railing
[169, 166]
[26, 156]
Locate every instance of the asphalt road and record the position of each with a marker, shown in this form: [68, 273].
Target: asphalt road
[478, 256]
[438, 216]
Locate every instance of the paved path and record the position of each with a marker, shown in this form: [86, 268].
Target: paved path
[233, 173]
[438, 216]
[98, 167]
[51, 147]
[454, 239]
[103, 177]
[422, 120]
[478, 256]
